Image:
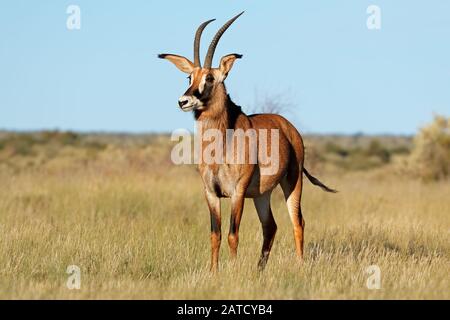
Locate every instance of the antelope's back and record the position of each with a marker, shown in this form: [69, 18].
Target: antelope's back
[290, 139]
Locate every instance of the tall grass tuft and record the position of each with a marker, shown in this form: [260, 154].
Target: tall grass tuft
[430, 159]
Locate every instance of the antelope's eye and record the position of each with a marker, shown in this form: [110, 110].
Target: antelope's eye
[209, 78]
[189, 78]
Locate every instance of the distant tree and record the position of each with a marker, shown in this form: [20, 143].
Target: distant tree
[272, 103]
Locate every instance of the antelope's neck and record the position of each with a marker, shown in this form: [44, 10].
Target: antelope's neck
[220, 112]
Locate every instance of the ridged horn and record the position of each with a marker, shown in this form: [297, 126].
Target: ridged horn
[198, 36]
[215, 41]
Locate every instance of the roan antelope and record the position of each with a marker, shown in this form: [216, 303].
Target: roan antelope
[208, 99]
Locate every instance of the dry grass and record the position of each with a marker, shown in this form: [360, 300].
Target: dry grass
[144, 233]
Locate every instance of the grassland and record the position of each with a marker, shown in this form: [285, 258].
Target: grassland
[138, 227]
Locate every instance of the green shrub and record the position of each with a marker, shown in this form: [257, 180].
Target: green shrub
[331, 147]
[375, 149]
[402, 150]
[60, 138]
[19, 144]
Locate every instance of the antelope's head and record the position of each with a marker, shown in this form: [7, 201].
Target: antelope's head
[203, 80]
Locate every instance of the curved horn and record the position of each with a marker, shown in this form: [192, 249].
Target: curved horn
[215, 41]
[198, 36]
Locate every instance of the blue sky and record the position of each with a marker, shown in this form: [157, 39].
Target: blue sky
[341, 77]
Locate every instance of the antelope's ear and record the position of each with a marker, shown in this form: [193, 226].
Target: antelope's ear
[182, 63]
[226, 63]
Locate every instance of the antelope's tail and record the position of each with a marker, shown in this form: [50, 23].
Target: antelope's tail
[316, 182]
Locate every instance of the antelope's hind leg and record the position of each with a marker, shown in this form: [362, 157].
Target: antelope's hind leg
[292, 189]
[269, 227]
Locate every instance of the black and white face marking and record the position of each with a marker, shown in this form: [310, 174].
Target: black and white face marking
[206, 83]
[189, 103]
[196, 96]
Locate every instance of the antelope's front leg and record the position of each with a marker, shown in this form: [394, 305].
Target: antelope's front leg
[237, 206]
[216, 233]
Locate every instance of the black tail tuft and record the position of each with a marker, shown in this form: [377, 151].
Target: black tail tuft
[316, 182]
